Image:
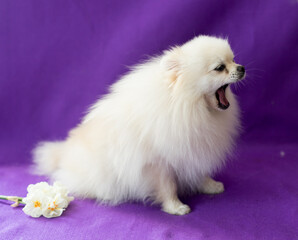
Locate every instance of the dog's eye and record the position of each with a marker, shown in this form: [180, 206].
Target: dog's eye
[220, 68]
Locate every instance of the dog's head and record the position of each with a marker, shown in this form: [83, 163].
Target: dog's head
[204, 67]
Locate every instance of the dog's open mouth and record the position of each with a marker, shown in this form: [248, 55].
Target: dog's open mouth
[220, 95]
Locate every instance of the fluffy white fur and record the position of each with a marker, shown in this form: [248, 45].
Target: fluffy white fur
[159, 131]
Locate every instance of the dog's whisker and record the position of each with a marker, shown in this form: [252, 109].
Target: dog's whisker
[253, 75]
[249, 63]
[255, 69]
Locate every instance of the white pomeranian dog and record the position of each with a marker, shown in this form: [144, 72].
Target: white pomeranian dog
[163, 129]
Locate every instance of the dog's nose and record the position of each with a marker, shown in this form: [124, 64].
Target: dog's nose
[241, 69]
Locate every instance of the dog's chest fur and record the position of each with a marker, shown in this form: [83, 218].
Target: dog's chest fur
[199, 145]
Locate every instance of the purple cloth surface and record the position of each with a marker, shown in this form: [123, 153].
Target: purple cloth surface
[260, 202]
[57, 57]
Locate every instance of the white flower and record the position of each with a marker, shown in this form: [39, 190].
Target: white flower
[55, 208]
[35, 204]
[62, 193]
[46, 200]
[41, 186]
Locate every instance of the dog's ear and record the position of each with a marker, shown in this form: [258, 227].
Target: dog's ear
[171, 62]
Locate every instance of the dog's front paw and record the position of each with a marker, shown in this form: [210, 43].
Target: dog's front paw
[211, 186]
[181, 210]
[176, 208]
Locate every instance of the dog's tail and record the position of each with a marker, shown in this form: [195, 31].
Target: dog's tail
[46, 157]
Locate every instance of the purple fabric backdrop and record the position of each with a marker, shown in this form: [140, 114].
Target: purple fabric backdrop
[57, 57]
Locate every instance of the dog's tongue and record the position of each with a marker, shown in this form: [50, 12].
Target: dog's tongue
[222, 97]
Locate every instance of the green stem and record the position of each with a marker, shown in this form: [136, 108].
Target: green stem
[6, 197]
[12, 198]
[3, 197]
